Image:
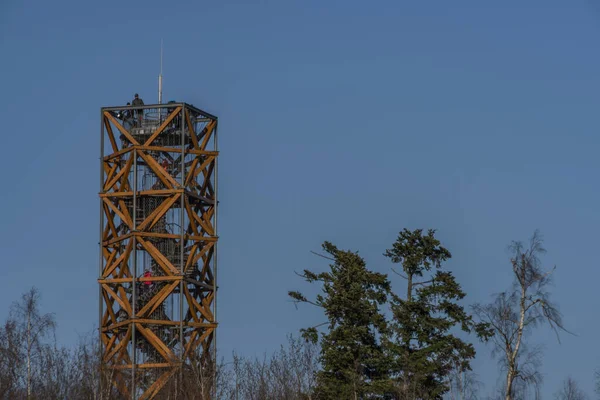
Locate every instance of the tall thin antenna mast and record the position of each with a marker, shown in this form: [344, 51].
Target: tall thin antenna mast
[160, 76]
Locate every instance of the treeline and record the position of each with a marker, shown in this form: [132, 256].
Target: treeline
[33, 366]
[375, 341]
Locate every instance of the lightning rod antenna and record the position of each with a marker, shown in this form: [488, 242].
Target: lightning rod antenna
[160, 76]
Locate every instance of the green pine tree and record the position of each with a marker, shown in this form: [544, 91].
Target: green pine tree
[352, 359]
[421, 345]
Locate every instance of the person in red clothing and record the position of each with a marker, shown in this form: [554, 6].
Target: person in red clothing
[148, 283]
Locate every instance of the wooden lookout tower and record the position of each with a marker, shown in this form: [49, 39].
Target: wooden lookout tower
[158, 242]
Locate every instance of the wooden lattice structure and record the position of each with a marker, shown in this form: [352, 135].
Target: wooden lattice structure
[158, 204]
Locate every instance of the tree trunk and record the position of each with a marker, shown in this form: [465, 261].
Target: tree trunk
[28, 356]
[461, 381]
[510, 376]
[509, 382]
[409, 290]
[355, 379]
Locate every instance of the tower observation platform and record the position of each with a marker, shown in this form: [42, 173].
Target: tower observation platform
[158, 258]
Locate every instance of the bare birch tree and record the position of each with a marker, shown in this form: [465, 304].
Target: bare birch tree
[463, 384]
[570, 390]
[597, 383]
[34, 328]
[10, 360]
[513, 314]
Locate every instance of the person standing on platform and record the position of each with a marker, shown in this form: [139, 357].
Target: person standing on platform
[139, 112]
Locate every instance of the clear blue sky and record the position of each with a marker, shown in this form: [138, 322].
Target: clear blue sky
[339, 120]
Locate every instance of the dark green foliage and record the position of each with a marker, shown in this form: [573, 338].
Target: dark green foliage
[352, 360]
[422, 348]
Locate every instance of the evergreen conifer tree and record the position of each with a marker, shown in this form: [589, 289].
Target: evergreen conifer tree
[422, 344]
[352, 359]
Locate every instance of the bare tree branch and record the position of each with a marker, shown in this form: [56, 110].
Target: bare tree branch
[323, 256]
